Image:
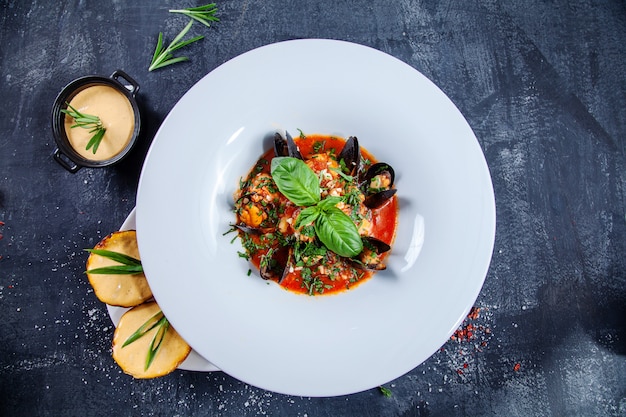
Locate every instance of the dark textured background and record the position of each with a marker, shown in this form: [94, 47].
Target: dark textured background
[543, 85]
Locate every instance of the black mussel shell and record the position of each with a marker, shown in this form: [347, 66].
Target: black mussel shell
[253, 230]
[378, 199]
[286, 147]
[276, 267]
[375, 198]
[378, 169]
[351, 155]
[280, 145]
[376, 265]
[375, 245]
[372, 245]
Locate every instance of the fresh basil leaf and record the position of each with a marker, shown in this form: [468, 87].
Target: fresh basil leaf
[338, 233]
[329, 202]
[296, 181]
[307, 216]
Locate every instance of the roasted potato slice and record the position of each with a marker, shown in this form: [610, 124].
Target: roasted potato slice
[118, 290]
[132, 358]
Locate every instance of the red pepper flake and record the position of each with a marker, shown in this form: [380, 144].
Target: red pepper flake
[517, 367]
[470, 338]
[468, 331]
[474, 313]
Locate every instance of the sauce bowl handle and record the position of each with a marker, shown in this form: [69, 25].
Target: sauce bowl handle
[65, 162]
[133, 87]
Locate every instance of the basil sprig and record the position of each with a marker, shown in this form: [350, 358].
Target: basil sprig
[332, 226]
[338, 232]
[296, 181]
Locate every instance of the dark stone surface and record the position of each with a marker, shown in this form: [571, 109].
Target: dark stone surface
[543, 85]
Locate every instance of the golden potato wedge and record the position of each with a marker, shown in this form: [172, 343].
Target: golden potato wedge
[118, 290]
[132, 358]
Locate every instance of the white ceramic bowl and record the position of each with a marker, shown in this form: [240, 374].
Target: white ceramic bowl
[255, 330]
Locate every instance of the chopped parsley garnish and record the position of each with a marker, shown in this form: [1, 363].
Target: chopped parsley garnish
[313, 284]
[319, 146]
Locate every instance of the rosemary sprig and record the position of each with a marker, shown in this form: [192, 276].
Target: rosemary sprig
[203, 14]
[158, 321]
[117, 270]
[87, 121]
[129, 265]
[163, 326]
[385, 391]
[116, 256]
[150, 324]
[164, 56]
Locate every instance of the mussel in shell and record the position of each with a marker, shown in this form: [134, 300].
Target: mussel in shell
[254, 214]
[377, 184]
[286, 146]
[275, 263]
[379, 175]
[371, 257]
[378, 199]
[351, 156]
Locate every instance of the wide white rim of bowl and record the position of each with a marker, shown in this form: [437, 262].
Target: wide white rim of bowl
[269, 337]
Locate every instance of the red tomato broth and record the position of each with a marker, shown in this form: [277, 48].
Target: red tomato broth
[384, 219]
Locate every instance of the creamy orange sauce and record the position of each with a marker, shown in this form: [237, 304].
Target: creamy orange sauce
[116, 114]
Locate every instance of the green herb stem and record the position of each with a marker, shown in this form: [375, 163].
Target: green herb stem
[163, 57]
[150, 324]
[203, 14]
[115, 256]
[158, 321]
[87, 121]
[129, 265]
[117, 270]
[163, 325]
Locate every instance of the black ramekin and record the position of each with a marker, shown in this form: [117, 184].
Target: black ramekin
[64, 154]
